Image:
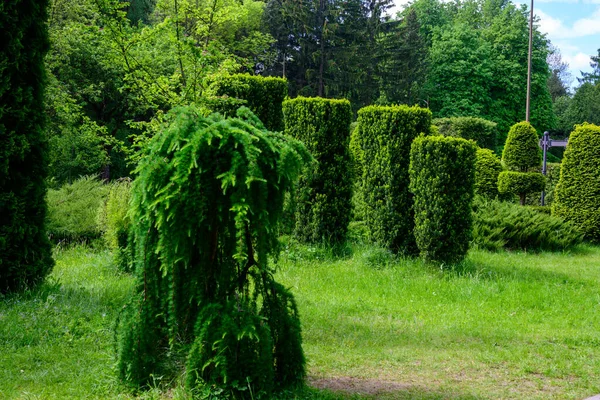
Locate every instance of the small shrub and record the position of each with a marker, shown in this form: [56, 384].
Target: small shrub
[324, 194]
[502, 225]
[482, 131]
[383, 138]
[442, 179]
[577, 195]
[115, 223]
[263, 95]
[487, 169]
[73, 210]
[520, 182]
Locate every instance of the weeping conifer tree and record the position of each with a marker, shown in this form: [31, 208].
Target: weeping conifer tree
[205, 209]
[25, 251]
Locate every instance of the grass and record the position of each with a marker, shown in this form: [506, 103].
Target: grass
[501, 325]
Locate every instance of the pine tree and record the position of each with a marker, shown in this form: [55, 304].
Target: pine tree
[25, 252]
[594, 76]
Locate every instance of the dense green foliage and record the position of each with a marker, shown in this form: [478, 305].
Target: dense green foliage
[521, 153]
[442, 179]
[323, 198]
[262, 95]
[25, 252]
[487, 169]
[577, 195]
[114, 222]
[382, 139]
[205, 212]
[502, 225]
[73, 210]
[482, 131]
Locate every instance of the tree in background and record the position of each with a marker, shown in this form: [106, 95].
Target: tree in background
[594, 76]
[560, 78]
[25, 251]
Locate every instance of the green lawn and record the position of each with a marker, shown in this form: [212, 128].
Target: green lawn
[503, 325]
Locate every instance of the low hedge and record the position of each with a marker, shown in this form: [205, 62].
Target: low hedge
[520, 182]
[482, 131]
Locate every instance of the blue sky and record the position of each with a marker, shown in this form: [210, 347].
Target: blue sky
[571, 25]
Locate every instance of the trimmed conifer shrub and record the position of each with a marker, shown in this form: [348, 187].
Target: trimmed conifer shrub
[577, 195]
[324, 194]
[25, 251]
[521, 153]
[384, 135]
[205, 212]
[263, 95]
[442, 179]
[487, 169]
[482, 131]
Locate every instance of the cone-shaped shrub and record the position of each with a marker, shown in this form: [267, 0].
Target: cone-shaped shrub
[384, 135]
[487, 169]
[442, 178]
[262, 95]
[205, 211]
[521, 152]
[324, 194]
[577, 195]
[482, 131]
[25, 251]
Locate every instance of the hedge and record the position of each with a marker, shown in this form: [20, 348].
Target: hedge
[520, 182]
[324, 193]
[577, 195]
[482, 131]
[442, 179]
[263, 95]
[385, 134]
[25, 251]
[487, 169]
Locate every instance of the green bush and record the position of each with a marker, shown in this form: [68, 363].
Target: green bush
[520, 182]
[502, 225]
[263, 95]
[384, 135]
[114, 222]
[487, 169]
[552, 177]
[324, 194]
[482, 131]
[442, 179]
[25, 252]
[73, 210]
[205, 211]
[577, 195]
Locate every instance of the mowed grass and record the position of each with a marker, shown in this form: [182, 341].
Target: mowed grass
[501, 325]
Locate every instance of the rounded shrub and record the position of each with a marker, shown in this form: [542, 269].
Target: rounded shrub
[521, 150]
[577, 195]
[384, 135]
[487, 169]
[262, 95]
[205, 211]
[482, 131]
[442, 179]
[324, 194]
[520, 182]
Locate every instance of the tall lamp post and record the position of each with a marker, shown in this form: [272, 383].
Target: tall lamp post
[527, 105]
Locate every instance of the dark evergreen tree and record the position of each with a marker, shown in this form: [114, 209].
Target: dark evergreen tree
[594, 76]
[25, 251]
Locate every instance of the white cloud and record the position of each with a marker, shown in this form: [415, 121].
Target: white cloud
[578, 62]
[556, 29]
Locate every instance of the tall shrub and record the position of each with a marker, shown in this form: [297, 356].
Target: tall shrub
[384, 135]
[482, 131]
[521, 154]
[323, 198]
[205, 210]
[263, 95]
[487, 169]
[577, 195]
[25, 251]
[442, 177]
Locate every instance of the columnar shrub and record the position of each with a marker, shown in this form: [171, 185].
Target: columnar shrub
[442, 178]
[263, 95]
[482, 131]
[115, 223]
[205, 211]
[384, 135]
[323, 198]
[577, 195]
[487, 169]
[521, 153]
[25, 252]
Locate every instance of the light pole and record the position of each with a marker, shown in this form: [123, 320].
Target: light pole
[527, 106]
